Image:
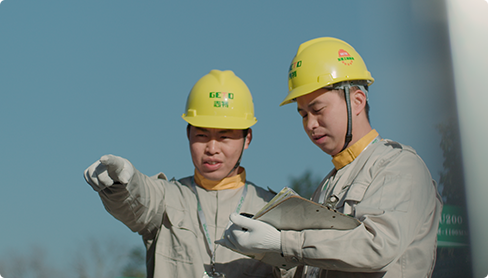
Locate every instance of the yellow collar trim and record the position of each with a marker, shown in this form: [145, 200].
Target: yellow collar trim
[348, 155]
[233, 182]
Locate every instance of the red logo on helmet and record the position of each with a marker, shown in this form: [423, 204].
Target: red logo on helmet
[345, 57]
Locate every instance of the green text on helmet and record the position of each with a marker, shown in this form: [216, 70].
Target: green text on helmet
[220, 99]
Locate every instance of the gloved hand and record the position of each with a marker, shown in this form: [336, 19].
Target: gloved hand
[108, 170]
[250, 236]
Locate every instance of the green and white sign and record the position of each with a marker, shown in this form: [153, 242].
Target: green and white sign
[453, 227]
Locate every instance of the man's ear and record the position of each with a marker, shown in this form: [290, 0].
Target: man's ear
[358, 101]
[248, 138]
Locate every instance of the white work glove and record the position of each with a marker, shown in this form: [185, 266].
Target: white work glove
[108, 170]
[250, 236]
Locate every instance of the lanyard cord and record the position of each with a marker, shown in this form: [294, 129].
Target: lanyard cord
[203, 220]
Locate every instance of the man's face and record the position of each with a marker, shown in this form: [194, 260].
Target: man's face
[324, 115]
[215, 151]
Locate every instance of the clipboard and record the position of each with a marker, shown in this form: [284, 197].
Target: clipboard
[290, 211]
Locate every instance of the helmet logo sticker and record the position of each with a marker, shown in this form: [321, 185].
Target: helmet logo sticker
[345, 58]
[224, 96]
[292, 71]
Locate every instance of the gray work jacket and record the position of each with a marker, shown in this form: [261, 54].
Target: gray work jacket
[390, 190]
[165, 214]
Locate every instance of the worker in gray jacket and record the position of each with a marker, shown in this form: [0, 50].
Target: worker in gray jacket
[179, 220]
[382, 183]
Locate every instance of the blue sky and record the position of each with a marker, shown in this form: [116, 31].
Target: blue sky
[80, 79]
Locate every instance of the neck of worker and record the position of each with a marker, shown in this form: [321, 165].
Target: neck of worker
[363, 135]
[232, 182]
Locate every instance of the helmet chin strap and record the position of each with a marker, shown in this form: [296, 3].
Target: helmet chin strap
[238, 163]
[349, 117]
[346, 86]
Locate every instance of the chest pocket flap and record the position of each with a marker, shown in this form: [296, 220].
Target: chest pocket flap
[179, 219]
[354, 194]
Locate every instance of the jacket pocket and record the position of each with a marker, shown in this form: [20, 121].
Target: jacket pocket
[353, 195]
[177, 239]
[180, 219]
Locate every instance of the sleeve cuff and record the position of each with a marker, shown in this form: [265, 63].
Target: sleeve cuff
[291, 246]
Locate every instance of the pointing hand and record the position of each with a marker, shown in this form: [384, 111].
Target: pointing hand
[108, 170]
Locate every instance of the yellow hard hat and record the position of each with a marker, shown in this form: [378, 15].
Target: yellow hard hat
[220, 99]
[323, 62]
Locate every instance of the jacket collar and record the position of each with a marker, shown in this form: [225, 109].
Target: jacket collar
[348, 155]
[233, 182]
